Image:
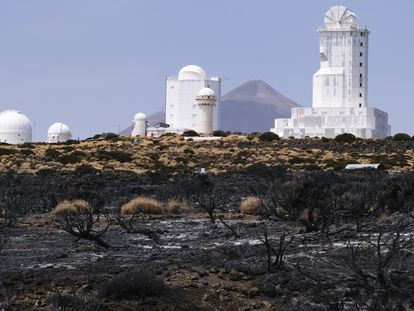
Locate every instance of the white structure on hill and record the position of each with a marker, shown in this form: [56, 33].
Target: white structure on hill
[206, 100]
[58, 133]
[139, 125]
[15, 127]
[340, 86]
[181, 108]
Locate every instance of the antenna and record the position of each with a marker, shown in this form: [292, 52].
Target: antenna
[34, 131]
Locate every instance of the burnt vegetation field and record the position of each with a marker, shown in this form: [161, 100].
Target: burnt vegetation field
[261, 237]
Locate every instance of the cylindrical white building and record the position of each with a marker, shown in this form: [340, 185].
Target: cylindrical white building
[15, 127]
[206, 100]
[58, 133]
[139, 125]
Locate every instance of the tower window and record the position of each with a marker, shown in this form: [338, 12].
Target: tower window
[361, 44]
[360, 105]
[360, 75]
[360, 54]
[360, 94]
[360, 85]
[360, 64]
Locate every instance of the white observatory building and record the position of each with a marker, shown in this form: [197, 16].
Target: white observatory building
[340, 86]
[15, 127]
[206, 101]
[58, 133]
[139, 125]
[182, 110]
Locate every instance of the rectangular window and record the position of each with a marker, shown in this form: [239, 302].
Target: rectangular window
[360, 54]
[361, 44]
[360, 94]
[360, 85]
[360, 64]
[360, 75]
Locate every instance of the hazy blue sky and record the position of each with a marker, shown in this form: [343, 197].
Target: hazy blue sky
[94, 63]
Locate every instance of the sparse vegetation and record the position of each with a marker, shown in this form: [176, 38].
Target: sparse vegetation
[269, 136]
[251, 206]
[143, 205]
[401, 137]
[345, 138]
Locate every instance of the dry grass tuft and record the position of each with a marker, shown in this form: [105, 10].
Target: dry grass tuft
[251, 206]
[143, 205]
[176, 206]
[71, 207]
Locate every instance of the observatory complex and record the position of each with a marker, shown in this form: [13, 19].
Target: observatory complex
[58, 133]
[183, 108]
[340, 86]
[15, 128]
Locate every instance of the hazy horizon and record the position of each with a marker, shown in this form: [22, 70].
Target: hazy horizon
[93, 64]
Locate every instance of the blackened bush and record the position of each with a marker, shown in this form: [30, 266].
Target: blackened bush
[190, 133]
[401, 137]
[119, 156]
[72, 142]
[269, 136]
[26, 145]
[345, 138]
[133, 284]
[27, 152]
[220, 133]
[107, 136]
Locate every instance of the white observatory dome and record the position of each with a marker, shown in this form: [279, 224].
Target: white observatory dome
[140, 117]
[59, 132]
[15, 127]
[139, 125]
[192, 72]
[206, 92]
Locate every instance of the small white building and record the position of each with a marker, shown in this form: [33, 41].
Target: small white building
[139, 125]
[340, 86]
[181, 108]
[58, 133]
[206, 100]
[15, 127]
[162, 128]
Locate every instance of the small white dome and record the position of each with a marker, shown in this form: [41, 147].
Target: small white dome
[12, 121]
[59, 128]
[140, 117]
[192, 72]
[206, 92]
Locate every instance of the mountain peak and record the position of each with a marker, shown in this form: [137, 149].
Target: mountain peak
[260, 92]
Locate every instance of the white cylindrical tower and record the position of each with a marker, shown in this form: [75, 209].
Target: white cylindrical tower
[15, 127]
[206, 100]
[139, 126]
[58, 133]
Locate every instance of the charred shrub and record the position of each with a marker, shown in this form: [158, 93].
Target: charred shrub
[220, 133]
[269, 136]
[73, 157]
[4, 151]
[52, 154]
[133, 285]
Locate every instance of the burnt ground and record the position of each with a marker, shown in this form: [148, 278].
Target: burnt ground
[203, 266]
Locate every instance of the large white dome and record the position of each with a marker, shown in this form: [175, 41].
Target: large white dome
[192, 72]
[140, 117]
[59, 128]
[15, 127]
[206, 91]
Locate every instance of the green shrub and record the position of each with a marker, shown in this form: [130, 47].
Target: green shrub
[68, 159]
[72, 142]
[4, 151]
[220, 133]
[26, 145]
[269, 136]
[401, 137]
[190, 133]
[27, 152]
[119, 156]
[345, 138]
[52, 154]
[107, 136]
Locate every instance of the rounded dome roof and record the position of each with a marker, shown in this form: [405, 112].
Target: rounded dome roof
[206, 92]
[12, 121]
[191, 72]
[59, 128]
[140, 117]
